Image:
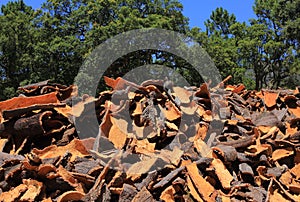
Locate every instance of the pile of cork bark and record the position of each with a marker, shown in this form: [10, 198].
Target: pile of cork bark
[153, 142]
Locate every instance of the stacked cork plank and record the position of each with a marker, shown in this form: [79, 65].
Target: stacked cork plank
[155, 142]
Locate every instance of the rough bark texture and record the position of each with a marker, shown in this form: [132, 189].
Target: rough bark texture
[182, 144]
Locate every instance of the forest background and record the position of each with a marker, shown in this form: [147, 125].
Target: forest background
[52, 42]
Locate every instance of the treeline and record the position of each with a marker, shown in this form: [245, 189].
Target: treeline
[52, 42]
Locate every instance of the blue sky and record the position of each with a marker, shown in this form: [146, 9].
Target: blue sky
[196, 10]
[199, 11]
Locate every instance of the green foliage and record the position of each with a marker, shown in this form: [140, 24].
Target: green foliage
[221, 44]
[220, 22]
[266, 51]
[54, 41]
[16, 45]
[279, 47]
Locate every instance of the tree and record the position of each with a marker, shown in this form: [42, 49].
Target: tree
[278, 49]
[16, 48]
[252, 52]
[220, 43]
[124, 15]
[220, 22]
[266, 51]
[74, 28]
[60, 47]
[53, 42]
